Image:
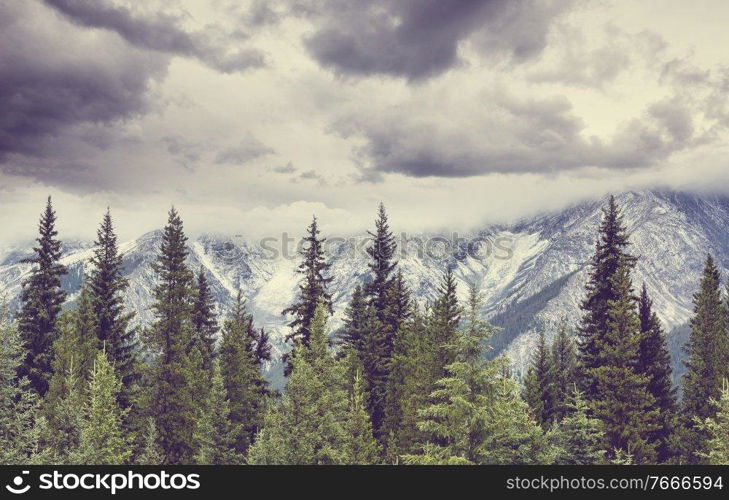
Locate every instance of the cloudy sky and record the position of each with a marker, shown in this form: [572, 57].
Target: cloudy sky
[250, 116]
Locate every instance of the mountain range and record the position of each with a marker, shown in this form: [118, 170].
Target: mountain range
[531, 274]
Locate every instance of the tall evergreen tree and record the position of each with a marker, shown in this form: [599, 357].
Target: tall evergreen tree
[41, 300]
[244, 385]
[381, 265]
[313, 289]
[216, 432]
[610, 253]
[359, 447]
[204, 322]
[307, 426]
[705, 359]
[357, 322]
[107, 286]
[102, 440]
[538, 389]
[18, 400]
[622, 400]
[399, 307]
[716, 429]
[563, 374]
[445, 319]
[655, 364]
[151, 453]
[579, 437]
[172, 403]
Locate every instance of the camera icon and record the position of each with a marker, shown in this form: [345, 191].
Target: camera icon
[17, 487]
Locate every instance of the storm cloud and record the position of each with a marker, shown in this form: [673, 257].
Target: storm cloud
[418, 39]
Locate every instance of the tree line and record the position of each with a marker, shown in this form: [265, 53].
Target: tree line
[398, 383]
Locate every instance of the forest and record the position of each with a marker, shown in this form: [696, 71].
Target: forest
[400, 383]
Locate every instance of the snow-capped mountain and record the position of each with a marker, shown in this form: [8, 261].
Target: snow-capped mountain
[531, 274]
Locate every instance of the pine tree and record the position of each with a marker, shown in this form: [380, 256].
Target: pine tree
[107, 286]
[244, 385]
[705, 359]
[307, 426]
[313, 290]
[399, 307]
[655, 364]
[716, 429]
[172, 402]
[41, 301]
[360, 446]
[563, 374]
[357, 321]
[538, 389]
[579, 437]
[445, 319]
[216, 433]
[204, 322]
[262, 347]
[610, 254]
[622, 400]
[18, 400]
[381, 266]
[102, 439]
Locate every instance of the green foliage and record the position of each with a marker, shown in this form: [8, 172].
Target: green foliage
[41, 301]
[151, 453]
[578, 437]
[216, 433]
[717, 430]
[244, 385]
[538, 390]
[102, 440]
[563, 373]
[204, 323]
[360, 446]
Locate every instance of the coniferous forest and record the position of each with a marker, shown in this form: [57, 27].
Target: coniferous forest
[399, 383]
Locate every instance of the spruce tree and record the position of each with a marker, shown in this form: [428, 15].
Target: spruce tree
[563, 374]
[622, 400]
[357, 321]
[716, 429]
[538, 389]
[107, 286]
[151, 453]
[610, 253]
[102, 440]
[705, 359]
[313, 289]
[445, 319]
[172, 403]
[262, 346]
[216, 433]
[359, 446]
[579, 437]
[307, 426]
[655, 363]
[399, 306]
[41, 300]
[381, 266]
[244, 385]
[18, 400]
[204, 322]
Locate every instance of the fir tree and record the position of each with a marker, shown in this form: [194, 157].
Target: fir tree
[244, 385]
[579, 437]
[216, 433]
[172, 403]
[313, 290]
[563, 373]
[622, 400]
[357, 321]
[204, 322]
[538, 389]
[705, 359]
[18, 401]
[399, 307]
[610, 254]
[107, 286]
[381, 266]
[445, 319]
[655, 363]
[716, 429]
[307, 426]
[102, 440]
[262, 347]
[41, 300]
[360, 446]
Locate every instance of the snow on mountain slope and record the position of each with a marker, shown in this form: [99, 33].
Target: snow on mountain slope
[531, 274]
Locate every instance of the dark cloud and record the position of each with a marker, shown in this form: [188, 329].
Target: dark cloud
[161, 32]
[311, 175]
[249, 148]
[61, 88]
[538, 136]
[284, 169]
[418, 39]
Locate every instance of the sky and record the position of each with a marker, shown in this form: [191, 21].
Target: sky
[251, 116]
